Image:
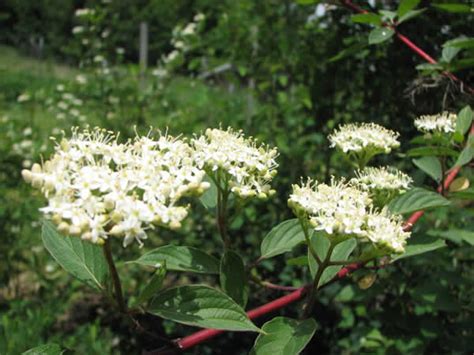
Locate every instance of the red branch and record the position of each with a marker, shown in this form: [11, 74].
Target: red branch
[206, 334]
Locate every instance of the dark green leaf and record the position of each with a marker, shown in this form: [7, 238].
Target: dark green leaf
[341, 252]
[46, 349]
[284, 336]
[461, 64]
[430, 165]
[420, 245]
[467, 194]
[417, 199]
[455, 235]
[201, 306]
[347, 52]
[369, 18]
[82, 259]
[410, 14]
[153, 286]
[455, 8]
[308, 2]
[464, 120]
[233, 278]
[379, 35]
[282, 238]
[298, 261]
[181, 258]
[406, 6]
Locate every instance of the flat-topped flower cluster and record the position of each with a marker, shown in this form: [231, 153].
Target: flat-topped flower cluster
[358, 137]
[97, 187]
[444, 122]
[383, 178]
[249, 167]
[344, 210]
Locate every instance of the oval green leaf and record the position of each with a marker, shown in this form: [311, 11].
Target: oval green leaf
[153, 286]
[381, 34]
[201, 306]
[284, 336]
[45, 349]
[420, 245]
[430, 165]
[81, 259]
[233, 277]
[417, 199]
[181, 258]
[282, 238]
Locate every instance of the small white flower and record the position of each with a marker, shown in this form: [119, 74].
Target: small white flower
[199, 17]
[382, 179]
[358, 137]
[190, 29]
[84, 12]
[77, 30]
[81, 79]
[249, 167]
[23, 97]
[386, 231]
[443, 122]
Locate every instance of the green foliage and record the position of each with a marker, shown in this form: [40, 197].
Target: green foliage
[201, 306]
[47, 349]
[233, 277]
[81, 259]
[420, 245]
[284, 336]
[282, 238]
[431, 166]
[417, 199]
[180, 258]
[379, 35]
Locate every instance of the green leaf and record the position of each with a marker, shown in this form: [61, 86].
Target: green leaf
[430, 151]
[209, 197]
[417, 199]
[379, 35]
[454, 235]
[201, 306]
[308, 2]
[81, 259]
[284, 336]
[406, 6]
[341, 252]
[369, 18]
[467, 154]
[428, 67]
[233, 278]
[153, 286]
[181, 258]
[282, 238]
[464, 120]
[349, 51]
[389, 15]
[454, 8]
[46, 349]
[298, 261]
[431, 166]
[449, 53]
[467, 194]
[420, 245]
[460, 42]
[410, 14]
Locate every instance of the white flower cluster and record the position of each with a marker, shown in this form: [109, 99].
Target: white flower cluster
[443, 122]
[344, 210]
[66, 105]
[382, 178]
[354, 137]
[97, 187]
[249, 167]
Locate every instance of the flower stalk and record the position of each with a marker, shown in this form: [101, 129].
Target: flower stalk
[118, 294]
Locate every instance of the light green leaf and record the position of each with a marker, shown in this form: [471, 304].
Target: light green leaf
[181, 258]
[417, 199]
[153, 286]
[201, 306]
[454, 8]
[209, 197]
[431, 166]
[410, 14]
[464, 120]
[368, 18]
[420, 245]
[455, 235]
[46, 349]
[81, 259]
[460, 42]
[282, 238]
[341, 252]
[233, 277]
[284, 336]
[406, 6]
[428, 67]
[449, 53]
[379, 35]
[467, 154]
[389, 15]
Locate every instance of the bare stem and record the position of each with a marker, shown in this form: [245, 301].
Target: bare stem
[115, 277]
[308, 241]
